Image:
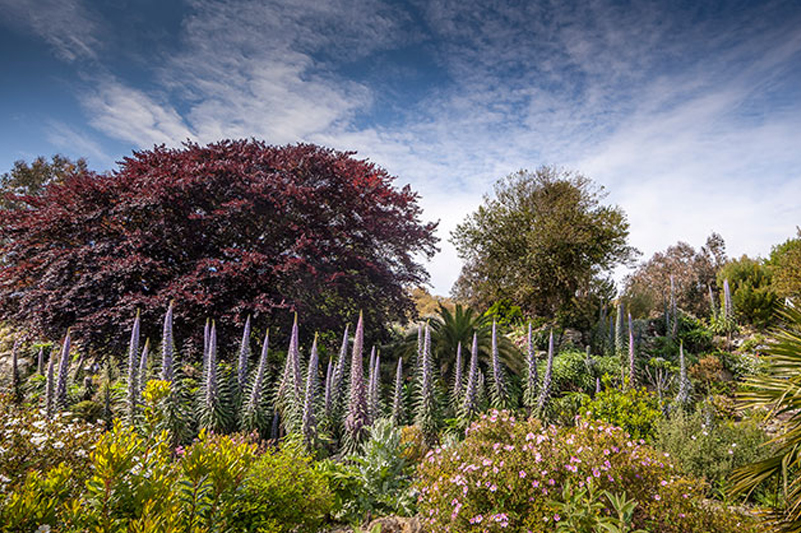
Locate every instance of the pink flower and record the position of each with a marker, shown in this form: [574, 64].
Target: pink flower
[522, 474]
[556, 518]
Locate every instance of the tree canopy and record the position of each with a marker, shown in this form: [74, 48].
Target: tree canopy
[785, 262]
[227, 230]
[31, 179]
[542, 241]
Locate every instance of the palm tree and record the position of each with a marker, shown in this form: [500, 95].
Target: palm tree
[779, 391]
[448, 329]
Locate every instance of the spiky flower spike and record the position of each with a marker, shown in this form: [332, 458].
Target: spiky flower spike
[457, 392]
[470, 402]
[426, 410]
[683, 396]
[142, 371]
[632, 373]
[420, 347]
[206, 334]
[356, 420]
[329, 375]
[133, 371]
[713, 307]
[294, 352]
[500, 394]
[60, 400]
[728, 308]
[254, 416]
[212, 391]
[674, 312]
[312, 384]
[50, 383]
[545, 390]
[530, 392]
[40, 361]
[213, 410]
[244, 356]
[338, 402]
[167, 346]
[290, 396]
[398, 411]
[620, 341]
[370, 379]
[374, 392]
[16, 391]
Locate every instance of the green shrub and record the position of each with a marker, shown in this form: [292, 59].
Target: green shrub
[509, 475]
[376, 481]
[571, 372]
[283, 492]
[634, 409]
[712, 451]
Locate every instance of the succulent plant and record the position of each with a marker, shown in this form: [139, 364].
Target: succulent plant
[133, 371]
[142, 370]
[312, 385]
[254, 415]
[426, 410]
[339, 398]
[685, 386]
[458, 387]
[329, 376]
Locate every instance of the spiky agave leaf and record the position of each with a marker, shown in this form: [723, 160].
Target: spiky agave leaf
[254, 414]
[426, 409]
[244, 356]
[545, 389]
[312, 384]
[499, 395]
[530, 390]
[133, 371]
[632, 369]
[398, 410]
[356, 420]
[167, 346]
[470, 402]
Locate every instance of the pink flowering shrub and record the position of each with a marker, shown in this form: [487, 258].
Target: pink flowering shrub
[507, 474]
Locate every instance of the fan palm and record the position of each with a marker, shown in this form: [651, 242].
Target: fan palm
[779, 391]
[449, 328]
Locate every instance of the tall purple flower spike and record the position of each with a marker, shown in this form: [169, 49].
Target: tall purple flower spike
[356, 419]
[632, 368]
[470, 404]
[60, 400]
[311, 392]
[545, 389]
[50, 385]
[133, 367]
[499, 391]
[340, 372]
[530, 393]
[244, 356]
[329, 375]
[142, 371]
[167, 346]
[211, 365]
[254, 399]
[397, 397]
[457, 375]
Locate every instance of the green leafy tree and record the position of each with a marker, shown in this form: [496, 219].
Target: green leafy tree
[753, 296]
[785, 263]
[541, 241]
[32, 178]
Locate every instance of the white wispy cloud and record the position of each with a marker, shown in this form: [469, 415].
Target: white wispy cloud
[68, 26]
[77, 143]
[678, 113]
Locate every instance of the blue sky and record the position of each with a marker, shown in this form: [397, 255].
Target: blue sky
[688, 112]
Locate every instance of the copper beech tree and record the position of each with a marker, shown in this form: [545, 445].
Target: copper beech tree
[227, 230]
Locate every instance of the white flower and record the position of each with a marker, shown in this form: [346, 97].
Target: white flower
[58, 445]
[44, 528]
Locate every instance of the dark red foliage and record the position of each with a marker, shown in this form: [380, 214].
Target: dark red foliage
[227, 230]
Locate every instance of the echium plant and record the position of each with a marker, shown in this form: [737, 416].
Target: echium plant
[60, 399]
[457, 390]
[167, 347]
[339, 400]
[356, 420]
[685, 386]
[289, 398]
[141, 373]
[713, 308]
[244, 357]
[425, 416]
[371, 404]
[309, 425]
[255, 414]
[132, 398]
[470, 405]
[499, 396]
[398, 411]
[212, 408]
[16, 389]
[674, 311]
[530, 390]
[545, 389]
[728, 307]
[50, 384]
[329, 376]
[375, 391]
[632, 367]
[620, 341]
